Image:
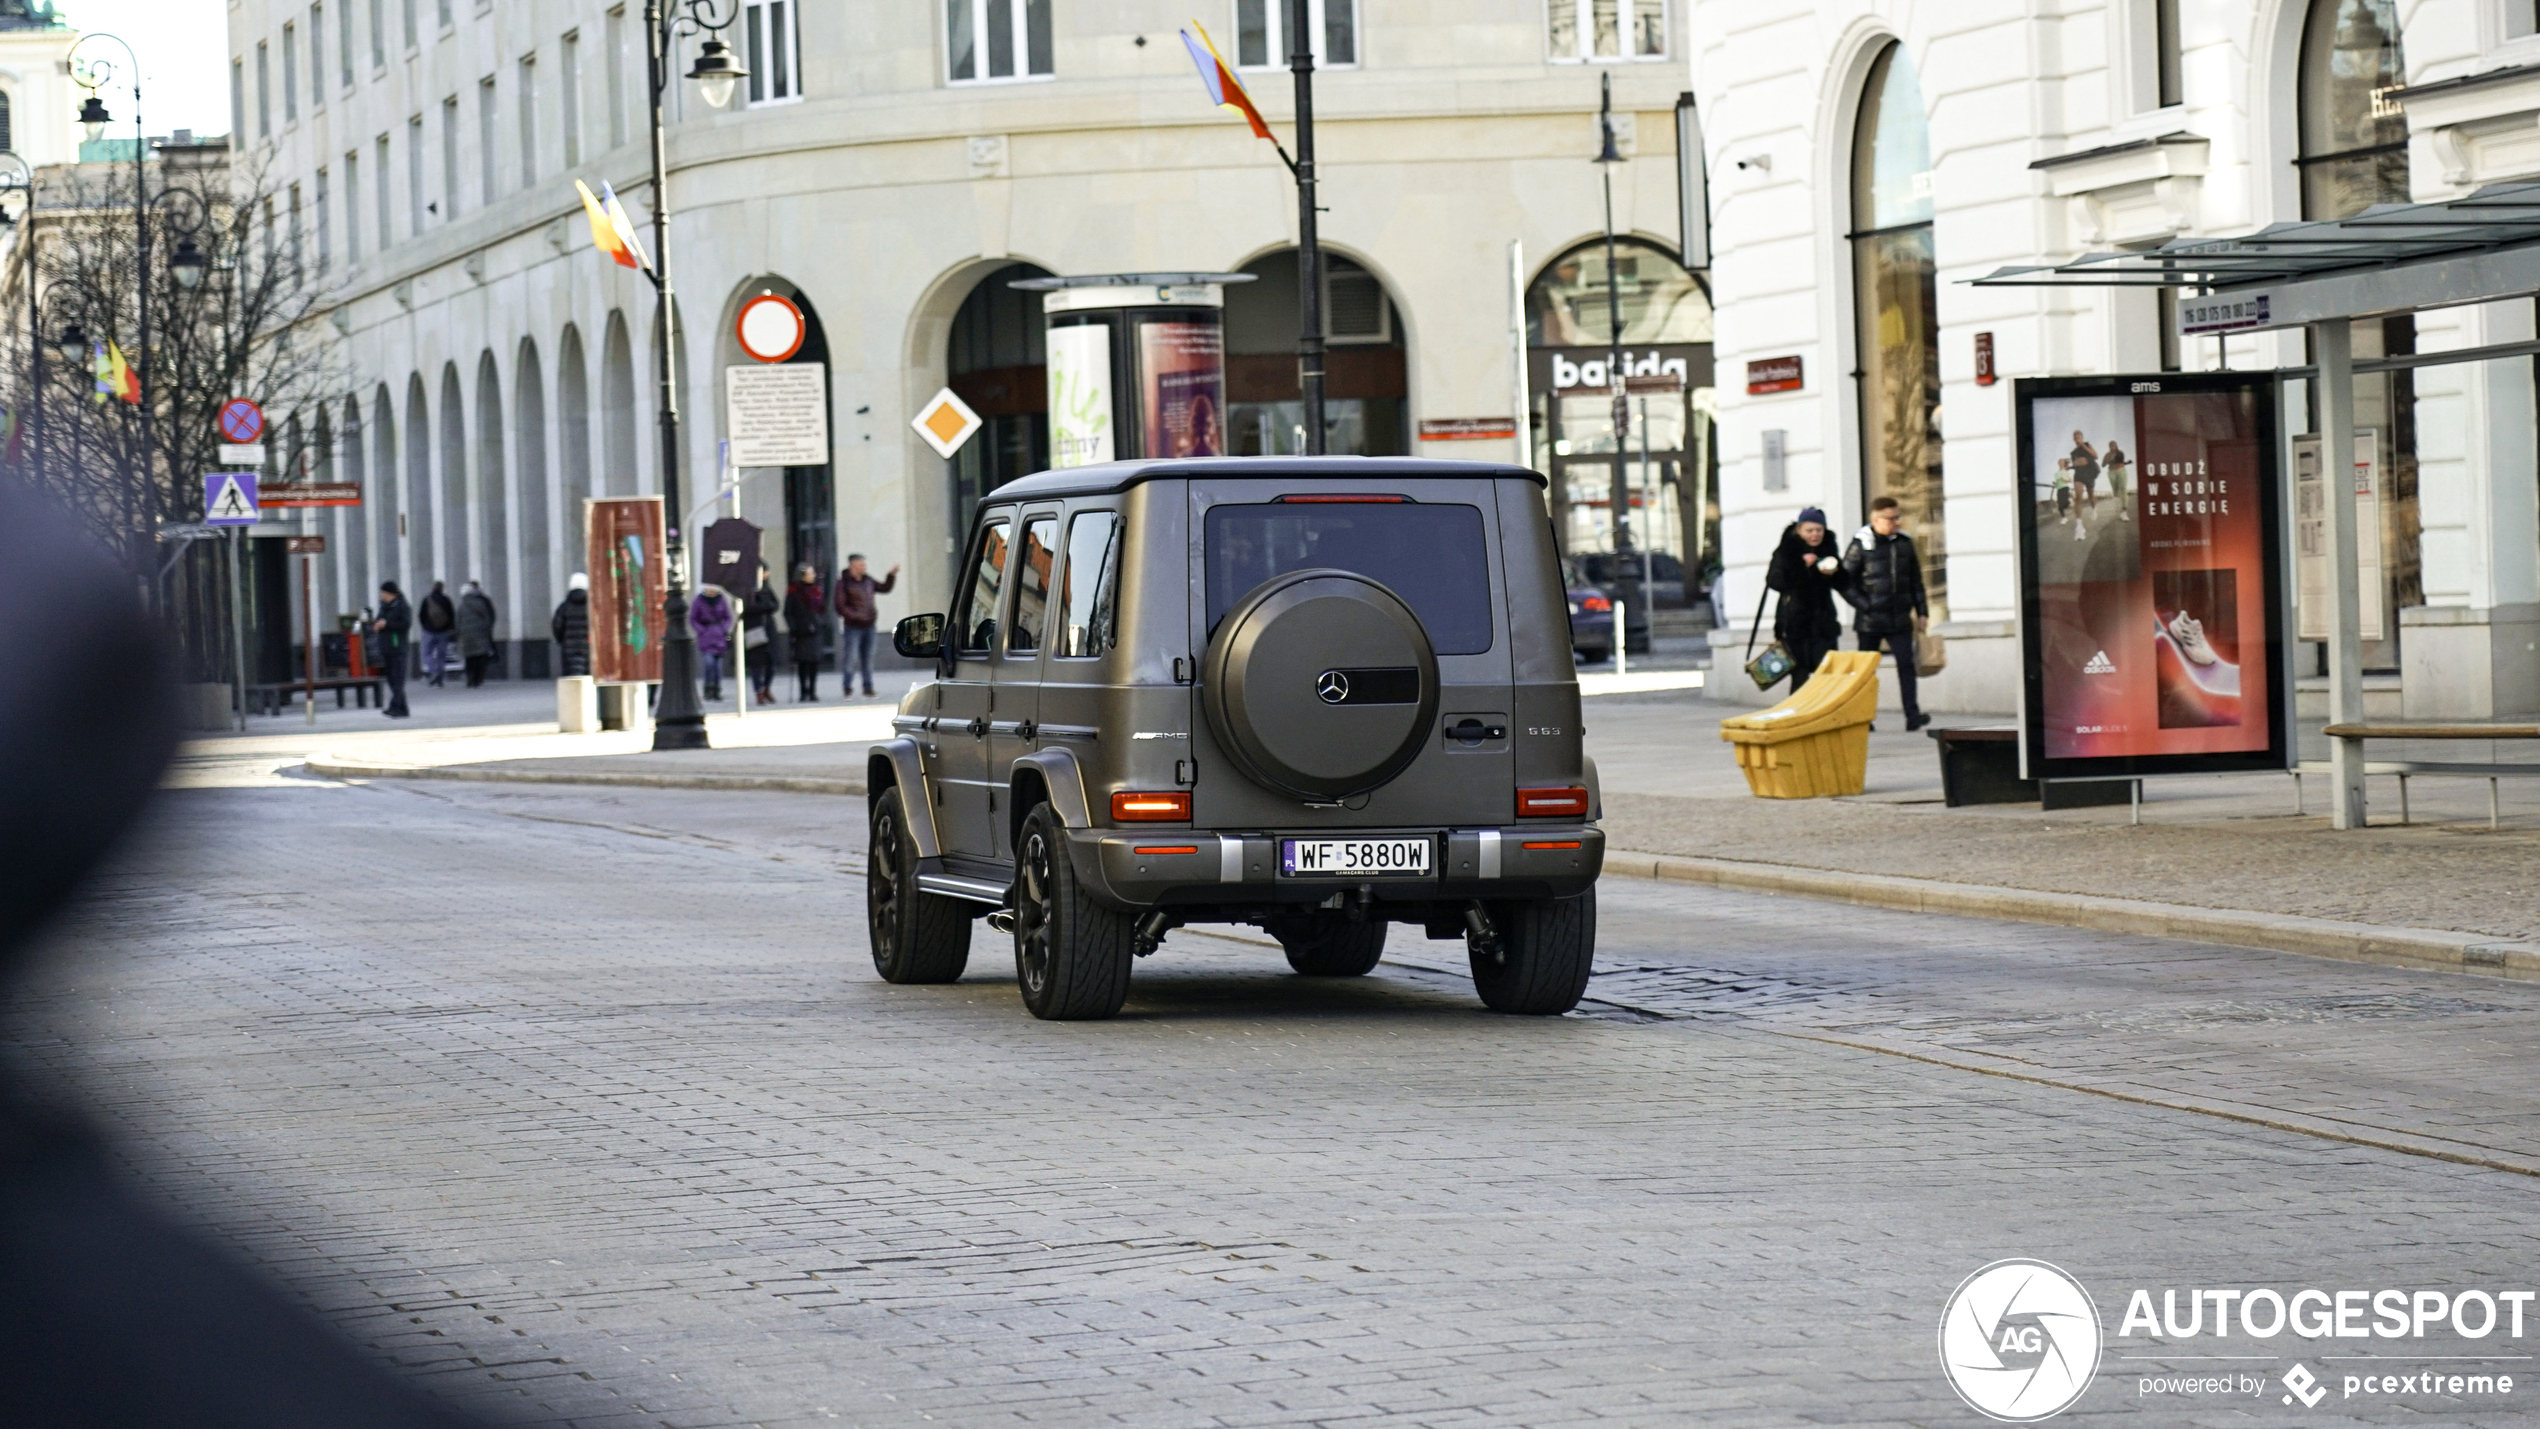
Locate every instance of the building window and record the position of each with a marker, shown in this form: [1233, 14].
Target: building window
[414, 175]
[2522, 17]
[1607, 31]
[2354, 136]
[412, 38]
[1895, 293]
[292, 232]
[290, 74]
[238, 97]
[317, 58]
[1262, 32]
[989, 41]
[264, 91]
[379, 183]
[325, 224]
[528, 121]
[6, 127]
[2168, 85]
[450, 159]
[344, 49]
[616, 38]
[379, 35]
[446, 19]
[486, 188]
[775, 51]
[353, 208]
[571, 81]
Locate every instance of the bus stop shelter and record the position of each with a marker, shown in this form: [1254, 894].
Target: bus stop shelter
[2388, 260]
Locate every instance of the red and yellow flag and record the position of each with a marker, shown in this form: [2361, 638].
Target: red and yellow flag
[611, 230]
[1224, 90]
[115, 377]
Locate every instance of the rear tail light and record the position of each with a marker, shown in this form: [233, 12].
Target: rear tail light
[1595, 602]
[1552, 803]
[1339, 499]
[1128, 808]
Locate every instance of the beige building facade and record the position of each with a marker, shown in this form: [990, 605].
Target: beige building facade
[891, 167]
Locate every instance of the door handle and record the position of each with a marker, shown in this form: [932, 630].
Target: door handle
[978, 728]
[1027, 730]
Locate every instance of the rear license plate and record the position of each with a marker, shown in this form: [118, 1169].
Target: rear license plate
[1354, 858]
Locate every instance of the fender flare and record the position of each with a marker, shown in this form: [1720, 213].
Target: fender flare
[902, 763]
[1595, 788]
[1065, 780]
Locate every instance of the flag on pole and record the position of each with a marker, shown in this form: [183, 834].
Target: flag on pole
[1224, 90]
[115, 377]
[611, 231]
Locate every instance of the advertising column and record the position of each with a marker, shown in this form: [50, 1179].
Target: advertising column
[2152, 576]
[1137, 365]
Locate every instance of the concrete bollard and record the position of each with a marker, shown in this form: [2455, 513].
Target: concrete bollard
[577, 704]
[626, 707]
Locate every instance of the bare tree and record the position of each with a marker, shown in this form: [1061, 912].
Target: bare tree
[249, 324]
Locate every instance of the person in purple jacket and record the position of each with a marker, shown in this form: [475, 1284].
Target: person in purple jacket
[710, 614]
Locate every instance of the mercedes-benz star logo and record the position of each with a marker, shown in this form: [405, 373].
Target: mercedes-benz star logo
[1333, 686]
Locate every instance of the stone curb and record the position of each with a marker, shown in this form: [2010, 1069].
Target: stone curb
[2420, 948]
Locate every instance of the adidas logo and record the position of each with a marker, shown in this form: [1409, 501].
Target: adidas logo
[2100, 664]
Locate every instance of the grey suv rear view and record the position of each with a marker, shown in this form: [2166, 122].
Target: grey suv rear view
[1319, 696]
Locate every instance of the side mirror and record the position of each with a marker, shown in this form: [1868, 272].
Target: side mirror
[919, 637]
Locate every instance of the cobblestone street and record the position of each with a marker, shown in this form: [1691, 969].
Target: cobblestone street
[585, 1106]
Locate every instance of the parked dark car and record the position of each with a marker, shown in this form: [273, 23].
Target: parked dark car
[1320, 696]
[1591, 623]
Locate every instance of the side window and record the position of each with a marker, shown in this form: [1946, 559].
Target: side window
[1032, 583]
[975, 624]
[1089, 599]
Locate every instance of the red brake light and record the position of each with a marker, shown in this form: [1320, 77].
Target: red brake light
[1595, 602]
[1186, 848]
[1552, 803]
[1128, 808]
[1346, 500]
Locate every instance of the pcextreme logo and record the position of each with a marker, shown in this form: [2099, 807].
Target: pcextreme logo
[2019, 1341]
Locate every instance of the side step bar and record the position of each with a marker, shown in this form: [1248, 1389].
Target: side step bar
[969, 890]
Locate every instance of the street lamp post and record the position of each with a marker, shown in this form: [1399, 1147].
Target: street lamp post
[18, 178]
[93, 74]
[679, 719]
[1628, 593]
[1309, 251]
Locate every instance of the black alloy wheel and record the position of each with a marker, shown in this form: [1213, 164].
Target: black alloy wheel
[1071, 954]
[917, 937]
[1547, 947]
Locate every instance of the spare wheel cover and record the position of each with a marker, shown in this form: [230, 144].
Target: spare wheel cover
[1320, 684]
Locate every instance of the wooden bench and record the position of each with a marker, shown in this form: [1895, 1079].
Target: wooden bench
[2406, 769]
[368, 691]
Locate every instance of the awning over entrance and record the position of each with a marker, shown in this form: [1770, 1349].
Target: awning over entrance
[2387, 260]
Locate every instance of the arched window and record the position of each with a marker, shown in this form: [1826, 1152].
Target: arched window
[1894, 288]
[1366, 367]
[2354, 136]
[2355, 155]
[994, 358]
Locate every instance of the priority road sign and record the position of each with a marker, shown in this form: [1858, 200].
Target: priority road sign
[945, 422]
[229, 498]
[241, 421]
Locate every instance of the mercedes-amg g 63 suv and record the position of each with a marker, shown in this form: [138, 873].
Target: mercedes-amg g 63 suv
[1321, 696]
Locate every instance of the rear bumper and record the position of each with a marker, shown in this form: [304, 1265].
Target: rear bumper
[1178, 869]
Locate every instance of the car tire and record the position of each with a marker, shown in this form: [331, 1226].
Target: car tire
[1595, 655]
[1547, 946]
[916, 937]
[1330, 947]
[1071, 954]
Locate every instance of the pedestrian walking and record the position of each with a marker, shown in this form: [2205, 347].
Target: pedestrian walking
[856, 616]
[572, 627]
[710, 615]
[1883, 578]
[805, 606]
[439, 621]
[394, 621]
[1806, 570]
[476, 632]
[762, 635]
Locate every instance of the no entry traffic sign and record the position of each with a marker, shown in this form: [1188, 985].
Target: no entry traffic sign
[770, 328]
[241, 421]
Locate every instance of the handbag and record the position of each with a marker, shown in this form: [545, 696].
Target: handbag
[1769, 668]
[1931, 651]
[754, 637]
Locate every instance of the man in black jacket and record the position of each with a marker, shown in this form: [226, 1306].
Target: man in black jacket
[1883, 578]
[391, 626]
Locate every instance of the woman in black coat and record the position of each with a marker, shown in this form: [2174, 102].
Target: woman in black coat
[806, 608]
[1807, 570]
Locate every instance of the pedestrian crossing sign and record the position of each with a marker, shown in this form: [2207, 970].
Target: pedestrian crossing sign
[229, 498]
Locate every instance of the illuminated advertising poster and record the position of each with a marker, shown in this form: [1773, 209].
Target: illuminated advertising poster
[628, 586]
[1079, 356]
[1184, 401]
[2151, 576]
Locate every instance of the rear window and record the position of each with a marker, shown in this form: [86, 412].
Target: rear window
[1432, 556]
